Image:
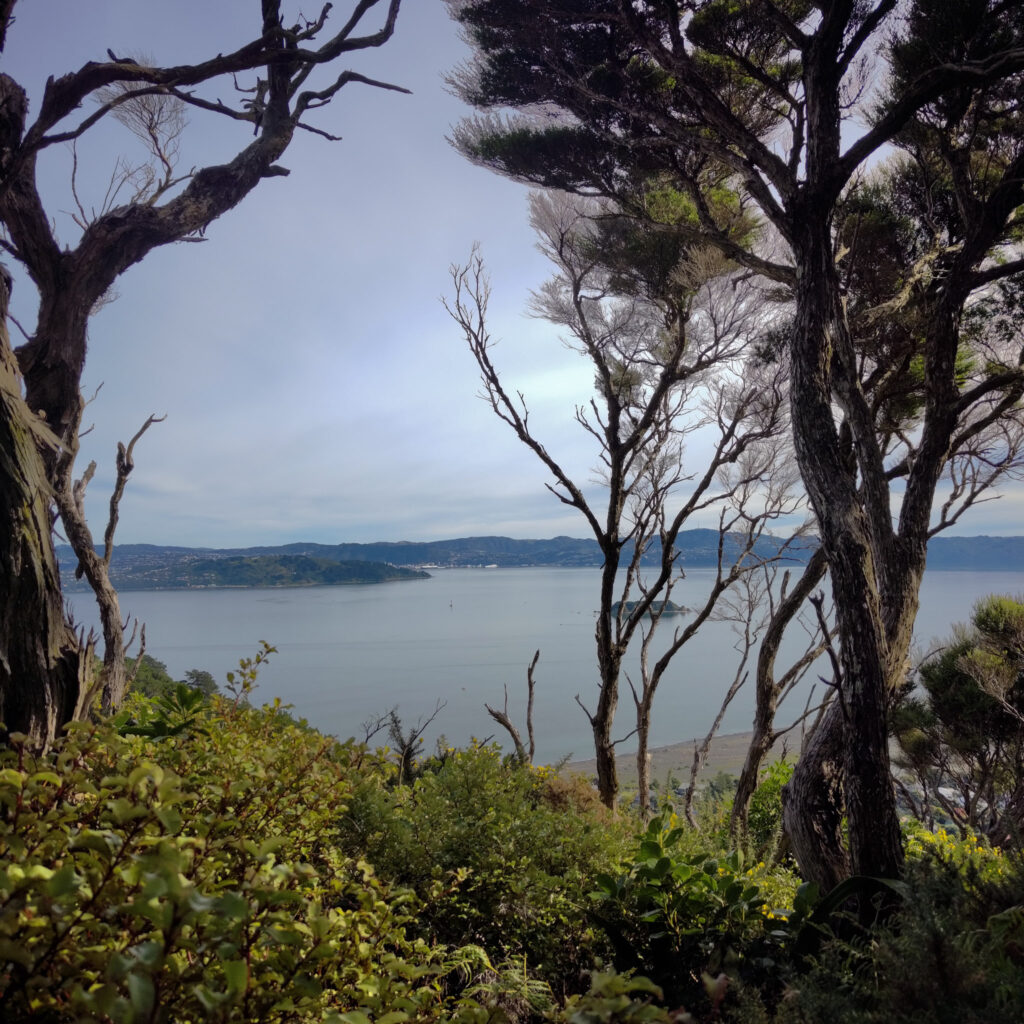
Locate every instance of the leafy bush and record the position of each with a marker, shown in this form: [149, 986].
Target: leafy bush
[953, 954]
[960, 727]
[970, 855]
[152, 678]
[198, 878]
[513, 866]
[178, 709]
[764, 819]
[676, 916]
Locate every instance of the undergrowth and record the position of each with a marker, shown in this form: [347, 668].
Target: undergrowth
[199, 860]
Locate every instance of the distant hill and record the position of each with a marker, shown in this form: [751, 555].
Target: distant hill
[988, 554]
[186, 568]
[152, 566]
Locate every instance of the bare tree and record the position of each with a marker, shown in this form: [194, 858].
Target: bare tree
[524, 752]
[45, 667]
[770, 686]
[69, 498]
[668, 357]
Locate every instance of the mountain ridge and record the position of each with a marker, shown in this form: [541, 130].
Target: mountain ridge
[156, 566]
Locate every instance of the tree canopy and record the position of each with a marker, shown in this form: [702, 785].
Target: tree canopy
[762, 121]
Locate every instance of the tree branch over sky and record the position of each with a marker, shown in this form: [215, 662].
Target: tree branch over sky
[292, 72]
[672, 343]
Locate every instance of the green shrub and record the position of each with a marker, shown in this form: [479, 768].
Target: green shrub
[764, 819]
[514, 867]
[970, 855]
[953, 954]
[678, 915]
[152, 678]
[198, 878]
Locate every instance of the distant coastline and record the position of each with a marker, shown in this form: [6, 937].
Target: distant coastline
[163, 567]
[727, 754]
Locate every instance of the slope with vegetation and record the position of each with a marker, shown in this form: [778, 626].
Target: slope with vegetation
[242, 867]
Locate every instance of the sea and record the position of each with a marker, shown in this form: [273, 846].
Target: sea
[463, 638]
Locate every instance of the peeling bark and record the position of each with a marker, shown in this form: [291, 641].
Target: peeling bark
[36, 640]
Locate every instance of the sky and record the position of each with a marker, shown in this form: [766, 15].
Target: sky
[315, 389]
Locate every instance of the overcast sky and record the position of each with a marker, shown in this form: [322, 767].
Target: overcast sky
[314, 387]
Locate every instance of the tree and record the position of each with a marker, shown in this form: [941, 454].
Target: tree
[622, 98]
[201, 680]
[961, 728]
[149, 676]
[46, 669]
[668, 337]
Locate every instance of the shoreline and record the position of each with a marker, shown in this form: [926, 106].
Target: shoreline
[727, 755]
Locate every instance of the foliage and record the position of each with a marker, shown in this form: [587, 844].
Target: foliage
[501, 854]
[152, 678]
[676, 915]
[616, 999]
[200, 879]
[240, 684]
[953, 954]
[201, 680]
[764, 819]
[970, 855]
[286, 571]
[175, 711]
[961, 728]
[248, 869]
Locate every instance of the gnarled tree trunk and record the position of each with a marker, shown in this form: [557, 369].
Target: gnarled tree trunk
[46, 670]
[812, 804]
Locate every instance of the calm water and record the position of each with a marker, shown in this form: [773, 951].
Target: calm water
[346, 654]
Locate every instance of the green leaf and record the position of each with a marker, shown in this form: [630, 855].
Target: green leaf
[63, 882]
[236, 974]
[146, 770]
[662, 868]
[141, 993]
[51, 777]
[233, 906]
[170, 818]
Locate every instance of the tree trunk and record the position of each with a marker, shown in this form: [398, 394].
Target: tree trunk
[812, 804]
[46, 671]
[643, 758]
[853, 516]
[609, 665]
[604, 751]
